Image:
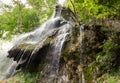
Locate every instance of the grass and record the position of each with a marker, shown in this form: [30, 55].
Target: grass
[22, 77]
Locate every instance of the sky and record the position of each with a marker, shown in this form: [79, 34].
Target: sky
[61, 2]
[9, 2]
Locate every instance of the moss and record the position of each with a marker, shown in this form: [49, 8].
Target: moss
[27, 46]
[23, 77]
[75, 33]
[48, 40]
[88, 74]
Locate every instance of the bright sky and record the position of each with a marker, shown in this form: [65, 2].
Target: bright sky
[9, 2]
[61, 2]
[6, 1]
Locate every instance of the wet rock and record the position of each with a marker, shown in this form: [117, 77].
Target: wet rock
[69, 54]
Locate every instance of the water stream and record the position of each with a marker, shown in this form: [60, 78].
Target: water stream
[37, 38]
[4, 62]
[51, 71]
[82, 27]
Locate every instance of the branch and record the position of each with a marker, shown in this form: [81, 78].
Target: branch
[73, 6]
[75, 12]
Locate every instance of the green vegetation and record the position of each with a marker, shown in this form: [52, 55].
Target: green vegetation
[23, 77]
[19, 18]
[112, 77]
[105, 67]
[109, 52]
[96, 9]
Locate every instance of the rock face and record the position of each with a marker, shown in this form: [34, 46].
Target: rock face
[43, 45]
[91, 53]
[67, 53]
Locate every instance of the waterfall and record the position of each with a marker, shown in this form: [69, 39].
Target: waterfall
[32, 38]
[4, 62]
[28, 49]
[82, 27]
[59, 41]
[81, 33]
[51, 71]
[81, 42]
[40, 33]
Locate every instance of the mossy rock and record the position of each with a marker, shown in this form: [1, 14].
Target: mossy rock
[25, 46]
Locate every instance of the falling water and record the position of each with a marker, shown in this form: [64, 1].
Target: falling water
[37, 38]
[82, 27]
[81, 43]
[40, 33]
[81, 33]
[34, 37]
[59, 41]
[4, 62]
[52, 69]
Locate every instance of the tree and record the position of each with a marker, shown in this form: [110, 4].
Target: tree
[18, 19]
[19, 7]
[44, 7]
[97, 8]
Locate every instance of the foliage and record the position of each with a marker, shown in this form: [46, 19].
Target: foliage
[21, 19]
[18, 18]
[112, 77]
[94, 9]
[45, 8]
[40, 4]
[23, 77]
[108, 55]
[30, 19]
